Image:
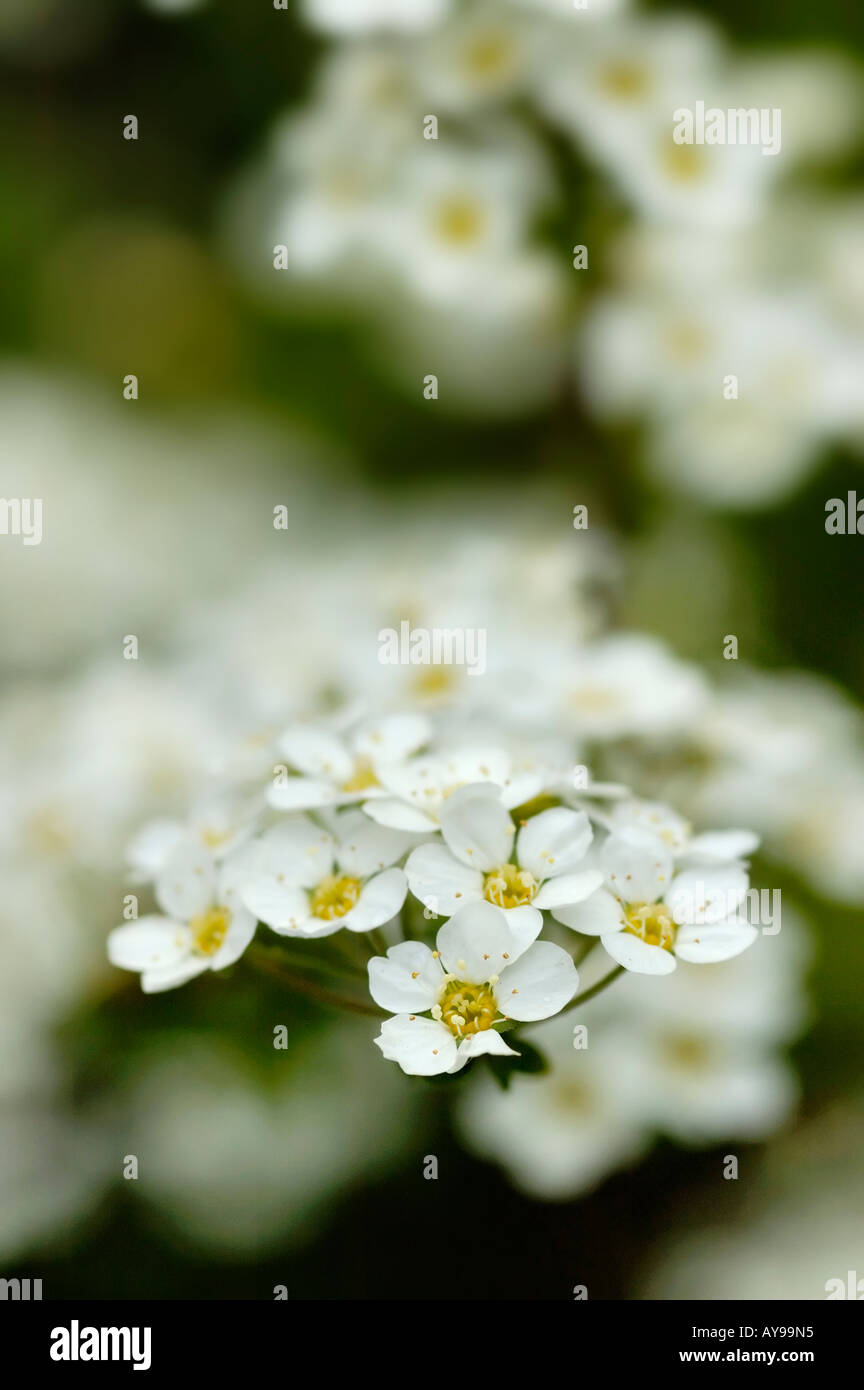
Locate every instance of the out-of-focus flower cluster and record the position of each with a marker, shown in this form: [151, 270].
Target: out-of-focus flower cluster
[709, 259]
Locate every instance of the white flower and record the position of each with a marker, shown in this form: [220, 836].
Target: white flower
[488, 967]
[333, 770]
[627, 685]
[699, 1048]
[606, 85]
[240, 1168]
[701, 186]
[648, 916]
[304, 881]
[216, 825]
[419, 789]
[455, 215]
[336, 159]
[358, 16]
[483, 857]
[662, 821]
[594, 9]
[206, 926]
[557, 1135]
[479, 58]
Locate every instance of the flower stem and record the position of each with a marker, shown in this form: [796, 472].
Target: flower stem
[595, 989]
[377, 941]
[265, 962]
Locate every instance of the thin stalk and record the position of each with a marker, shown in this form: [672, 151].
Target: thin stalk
[595, 989]
[377, 941]
[266, 963]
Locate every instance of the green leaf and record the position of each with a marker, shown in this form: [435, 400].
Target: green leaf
[530, 1060]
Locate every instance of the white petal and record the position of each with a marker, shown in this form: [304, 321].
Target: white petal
[638, 867]
[186, 884]
[172, 976]
[705, 944]
[522, 785]
[541, 982]
[302, 794]
[148, 850]
[241, 930]
[393, 738]
[148, 944]
[408, 979]
[440, 881]
[707, 894]
[487, 1043]
[365, 848]
[472, 765]
[398, 815]
[568, 889]
[721, 844]
[379, 901]
[297, 852]
[554, 842]
[525, 925]
[421, 1046]
[240, 868]
[283, 906]
[317, 753]
[313, 928]
[477, 942]
[599, 915]
[636, 955]
[477, 827]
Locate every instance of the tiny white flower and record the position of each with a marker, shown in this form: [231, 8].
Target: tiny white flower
[354, 17]
[648, 916]
[607, 85]
[329, 770]
[560, 1134]
[205, 926]
[566, 9]
[454, 213]
[488, 967]
[656, 818]
[418, 790]
[306, 882]
[478, 59]
[627, 685]
[484, 858]
[216, 825]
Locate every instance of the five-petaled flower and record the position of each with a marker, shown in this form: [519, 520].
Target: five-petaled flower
[488, 968]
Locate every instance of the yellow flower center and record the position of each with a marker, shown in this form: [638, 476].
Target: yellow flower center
[509, 886]
[686, 340]
[467, 1008]
[212, 838]
[686, 1051]
[459, 221]
[362, 777]
[209, 930]
[626, 81]
[595, 699]
[489, 55]
[684, 163]
[334, 897]
[435, 682]
[652, 923]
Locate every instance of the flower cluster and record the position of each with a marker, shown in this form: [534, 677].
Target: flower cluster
[412, 187]
[373, 829]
